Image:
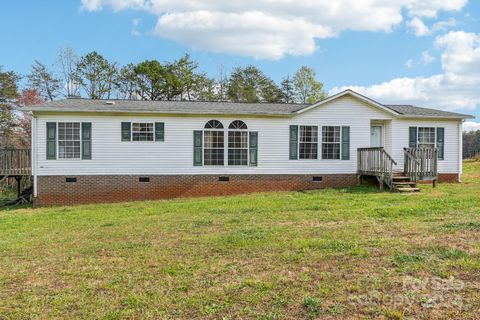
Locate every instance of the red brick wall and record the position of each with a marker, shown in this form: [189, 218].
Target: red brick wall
[54, 190]
[448, 177]
[443, 177]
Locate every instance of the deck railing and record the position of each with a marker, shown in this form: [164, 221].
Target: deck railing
[376, 162]
[15, 162]
[420, 163]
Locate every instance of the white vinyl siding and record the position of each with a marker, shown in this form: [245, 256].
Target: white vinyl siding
[175, 155]
[400, 140]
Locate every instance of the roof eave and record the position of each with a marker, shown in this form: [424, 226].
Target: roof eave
[171, 114]
[459, 117]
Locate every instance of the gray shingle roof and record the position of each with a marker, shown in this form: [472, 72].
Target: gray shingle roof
[213, 108]
[173, 107]
[409, 110]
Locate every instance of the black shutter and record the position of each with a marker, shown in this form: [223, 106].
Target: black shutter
[345, 143]
[86, 140]
[51, 140]
[197, 148]
[293, 142]
[441, 142]
[126, 131]
[159, 131]
[412, 140]
[253, 141]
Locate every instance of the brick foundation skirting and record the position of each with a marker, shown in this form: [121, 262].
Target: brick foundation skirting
[55, 190]
[448, 177]
[443, 177]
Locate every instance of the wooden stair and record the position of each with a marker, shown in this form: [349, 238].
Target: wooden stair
[404, 184]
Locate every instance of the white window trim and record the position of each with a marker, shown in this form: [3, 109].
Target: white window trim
[340, 143]
[131, 132]
[298, 142]
[434, 136]
[58, 142]
[203, 149]
[248, 147]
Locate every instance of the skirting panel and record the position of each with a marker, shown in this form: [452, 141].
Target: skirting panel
[69, 190]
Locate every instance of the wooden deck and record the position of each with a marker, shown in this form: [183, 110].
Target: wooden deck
[15, 162]
[419, 164]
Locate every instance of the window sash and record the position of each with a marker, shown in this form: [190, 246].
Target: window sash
[308, 142]
[143, 131]
[331, 142]
[426, 137]
[237, 148]
[69, 140]
[213, 147]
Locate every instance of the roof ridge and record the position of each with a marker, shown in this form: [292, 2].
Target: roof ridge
[186, 101]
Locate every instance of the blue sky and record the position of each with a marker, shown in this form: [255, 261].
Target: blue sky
[380, 54]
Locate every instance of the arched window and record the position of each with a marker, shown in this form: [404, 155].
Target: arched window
[213, 142]
[213, 124]
[237, 143]
[237, 124]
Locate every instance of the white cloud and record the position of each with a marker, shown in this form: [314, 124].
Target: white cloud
[271, 29]
[471, 126]
[409, 63]
[427, 58]
[457, 87]
[135, 23]
[420, 29]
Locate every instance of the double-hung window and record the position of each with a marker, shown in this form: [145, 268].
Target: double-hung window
[69, 140]
[237, 144]
[213, 144]
[331, 140]
[426, 137]
[143, 131]
[308, 142]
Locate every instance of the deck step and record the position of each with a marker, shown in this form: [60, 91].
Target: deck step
[406, 189]
[404, 183]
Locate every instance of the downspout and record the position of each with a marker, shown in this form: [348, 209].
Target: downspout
[34, 154]
[460, 150]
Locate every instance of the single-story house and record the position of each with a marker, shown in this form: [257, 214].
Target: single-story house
[86, 151]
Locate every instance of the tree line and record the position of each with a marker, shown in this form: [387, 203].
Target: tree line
[471, 144]
[94, 76]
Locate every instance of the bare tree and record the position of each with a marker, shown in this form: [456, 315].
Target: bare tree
[67, 60]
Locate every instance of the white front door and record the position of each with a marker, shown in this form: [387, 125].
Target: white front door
[376, 136]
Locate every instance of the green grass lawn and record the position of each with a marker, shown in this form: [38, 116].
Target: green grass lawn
[348, 253]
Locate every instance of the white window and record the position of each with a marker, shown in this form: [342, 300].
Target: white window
[69, 140]
[213, 144]
[308, 142]
[426, 137]
[331, 142]
[143, 131]
[237, 144]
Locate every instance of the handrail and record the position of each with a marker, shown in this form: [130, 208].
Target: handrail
[421, 163]
[15, 162]
[376, 161]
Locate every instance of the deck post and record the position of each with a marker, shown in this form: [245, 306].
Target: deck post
[381, 184]
[434, 183]
[19, 186]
